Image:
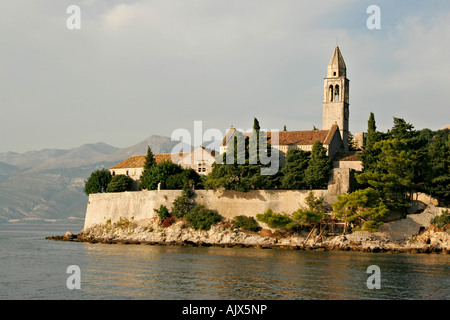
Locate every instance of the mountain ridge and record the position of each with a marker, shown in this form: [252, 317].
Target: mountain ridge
[47, 185]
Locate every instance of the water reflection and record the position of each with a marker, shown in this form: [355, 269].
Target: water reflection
[171, 272]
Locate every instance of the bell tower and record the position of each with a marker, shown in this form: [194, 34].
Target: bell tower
[336, 96]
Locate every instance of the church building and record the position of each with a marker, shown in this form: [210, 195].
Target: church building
[335, 117]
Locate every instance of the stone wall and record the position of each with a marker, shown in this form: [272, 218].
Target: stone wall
[139, 205]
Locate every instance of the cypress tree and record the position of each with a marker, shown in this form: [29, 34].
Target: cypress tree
[149, 163]
[319, 167]
[149, 159]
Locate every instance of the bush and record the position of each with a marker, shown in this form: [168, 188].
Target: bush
[275, 220]
[167, 222]
[201, 218]
[246, 223]
[183, 204]
[442, 220]
[312, 214]
[120, 183]
[162, 213]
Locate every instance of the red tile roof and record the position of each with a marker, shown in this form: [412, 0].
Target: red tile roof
[307, 137]
[139, 161]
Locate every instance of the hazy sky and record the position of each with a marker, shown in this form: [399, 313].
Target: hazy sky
[138, 68]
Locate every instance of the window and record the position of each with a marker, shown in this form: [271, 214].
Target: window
[113, 173]
[330, 89]
[334, 73]
[336, 94]
[127, 172]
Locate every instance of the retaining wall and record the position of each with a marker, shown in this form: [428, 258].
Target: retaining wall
[140, 205]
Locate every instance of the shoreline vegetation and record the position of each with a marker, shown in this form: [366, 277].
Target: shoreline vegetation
[223, 234]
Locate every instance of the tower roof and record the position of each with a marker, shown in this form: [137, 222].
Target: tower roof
[336, 67]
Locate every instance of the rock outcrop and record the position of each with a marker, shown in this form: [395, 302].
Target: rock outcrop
[412, 235]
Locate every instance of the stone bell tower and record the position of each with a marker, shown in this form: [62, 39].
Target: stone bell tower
[336, 96]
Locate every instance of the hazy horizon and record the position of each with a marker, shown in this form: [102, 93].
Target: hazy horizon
[144, 68]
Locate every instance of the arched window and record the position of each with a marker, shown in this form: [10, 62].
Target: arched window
[330, 89]
[336, 94]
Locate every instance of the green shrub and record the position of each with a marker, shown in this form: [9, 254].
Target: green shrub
[183, 204]
[442, 220]
[312, 214]
[201, 218]
[246, 223]
[162, 213]
[275, 220]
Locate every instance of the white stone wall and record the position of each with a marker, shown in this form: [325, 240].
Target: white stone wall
[139, 205]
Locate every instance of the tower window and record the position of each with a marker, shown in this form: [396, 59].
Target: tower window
[330, 89]
[336, 94]
[334, 73]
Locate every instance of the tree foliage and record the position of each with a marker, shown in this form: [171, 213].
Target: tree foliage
[149, 163]
[120, 183]
[183, 203]
[363, 207]
[240, 167]
[292, 174]
[392, 175]
[312, 214]
[318, 172]
[97, 182]
[158, 174]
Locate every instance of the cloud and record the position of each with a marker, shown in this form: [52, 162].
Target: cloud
[149, 67]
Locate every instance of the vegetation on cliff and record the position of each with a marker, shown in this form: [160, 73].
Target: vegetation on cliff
[403, 161]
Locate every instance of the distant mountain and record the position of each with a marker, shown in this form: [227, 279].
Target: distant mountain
[47, 185]
[158, 144]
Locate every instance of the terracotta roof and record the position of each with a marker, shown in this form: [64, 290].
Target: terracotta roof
[347, 156]
[139, 161]
[304, 137]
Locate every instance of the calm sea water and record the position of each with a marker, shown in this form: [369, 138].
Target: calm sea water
[34, 268]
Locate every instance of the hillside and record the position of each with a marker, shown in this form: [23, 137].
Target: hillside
[47, 185]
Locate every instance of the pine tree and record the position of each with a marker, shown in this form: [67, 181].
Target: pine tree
[437, 182]
[392, 175]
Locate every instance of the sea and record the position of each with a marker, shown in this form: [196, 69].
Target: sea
[33, 268]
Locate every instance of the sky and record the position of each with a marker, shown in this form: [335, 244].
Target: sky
[141, 68]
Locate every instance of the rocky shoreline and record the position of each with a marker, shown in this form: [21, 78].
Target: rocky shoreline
[430, 240]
